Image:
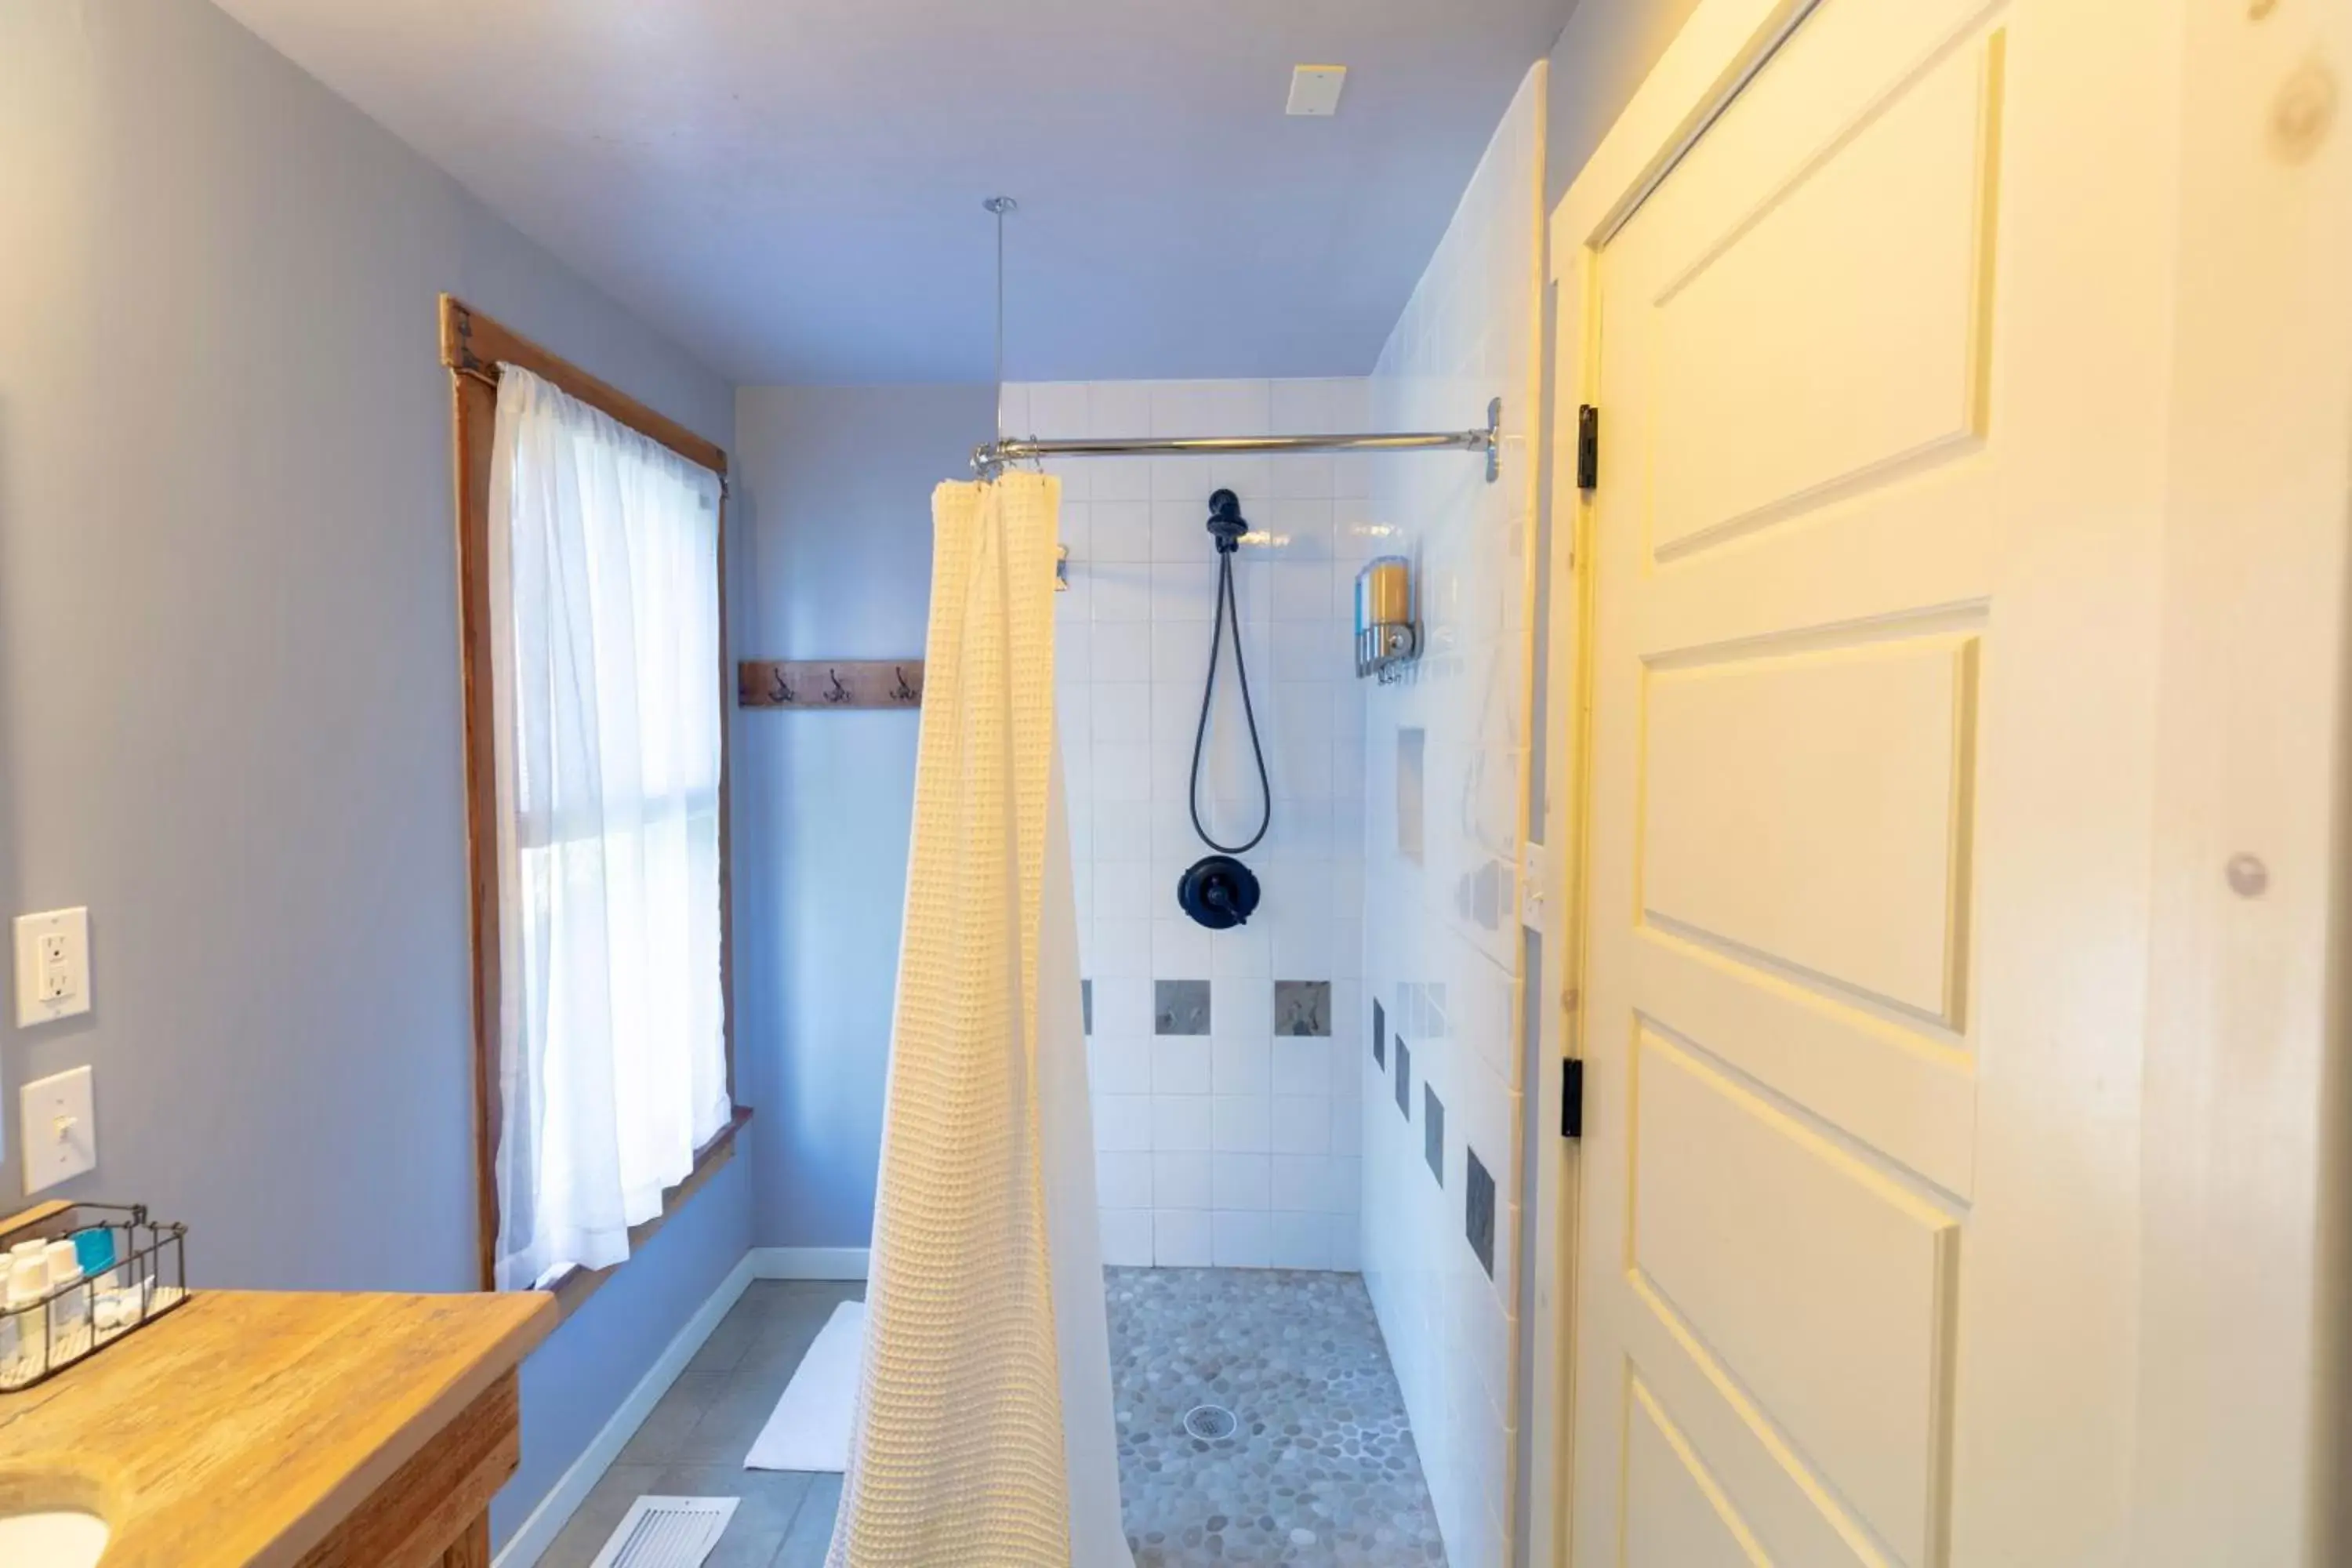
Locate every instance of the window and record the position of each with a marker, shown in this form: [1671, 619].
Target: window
[589, 557]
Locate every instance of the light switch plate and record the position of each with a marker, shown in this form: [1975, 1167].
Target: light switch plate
[1315, 90]
[52, 966]
[58, 1129]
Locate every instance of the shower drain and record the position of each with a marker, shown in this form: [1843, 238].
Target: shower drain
[1210, 1423]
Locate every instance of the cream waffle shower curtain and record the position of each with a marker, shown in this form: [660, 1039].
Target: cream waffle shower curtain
[984, 1437]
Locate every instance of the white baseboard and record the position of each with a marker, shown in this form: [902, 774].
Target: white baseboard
[555, 1510]
[808, 1262]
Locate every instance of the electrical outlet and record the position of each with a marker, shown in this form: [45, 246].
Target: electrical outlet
[56, 970]
[58, 1128]
[52, 966]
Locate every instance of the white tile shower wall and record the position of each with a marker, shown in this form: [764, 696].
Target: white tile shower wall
[1443, 751]
[1237, 1146]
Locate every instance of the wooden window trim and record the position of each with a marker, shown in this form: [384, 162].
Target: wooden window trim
[473, 347]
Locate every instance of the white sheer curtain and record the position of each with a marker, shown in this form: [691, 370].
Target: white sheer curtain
[603, 568]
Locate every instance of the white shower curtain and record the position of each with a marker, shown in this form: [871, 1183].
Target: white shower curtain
[984, 1437]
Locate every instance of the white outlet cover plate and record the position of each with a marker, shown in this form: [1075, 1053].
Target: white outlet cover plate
[58, 1129]
[73, 927]
[1315, 90]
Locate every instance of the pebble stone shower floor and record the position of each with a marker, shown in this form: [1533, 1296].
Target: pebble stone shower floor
[1322, 1467]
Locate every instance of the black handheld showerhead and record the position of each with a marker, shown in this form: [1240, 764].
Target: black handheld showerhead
[1226, 524]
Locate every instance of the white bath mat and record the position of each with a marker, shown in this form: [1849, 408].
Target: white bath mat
[810, 1428]
[668, 1532]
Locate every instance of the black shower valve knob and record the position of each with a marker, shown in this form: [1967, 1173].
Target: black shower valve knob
[1218, 891]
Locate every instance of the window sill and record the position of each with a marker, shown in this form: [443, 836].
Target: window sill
[574, 1288]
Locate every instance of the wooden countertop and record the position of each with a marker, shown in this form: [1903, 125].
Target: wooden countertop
[245, 1426]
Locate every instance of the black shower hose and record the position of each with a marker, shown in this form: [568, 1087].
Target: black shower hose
[1208, 692]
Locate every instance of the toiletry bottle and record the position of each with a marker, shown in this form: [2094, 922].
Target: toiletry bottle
[69, 1305]
[94, 1249]
[28, 1282]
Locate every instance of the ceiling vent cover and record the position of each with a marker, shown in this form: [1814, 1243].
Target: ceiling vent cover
[668, 1532]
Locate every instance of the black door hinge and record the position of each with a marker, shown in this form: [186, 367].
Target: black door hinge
[1571, 1098]
[1588, 446]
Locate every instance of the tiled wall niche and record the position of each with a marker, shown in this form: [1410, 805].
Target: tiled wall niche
[1215, 1055]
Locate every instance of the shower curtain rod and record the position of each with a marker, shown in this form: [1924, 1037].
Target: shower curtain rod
[989, 457]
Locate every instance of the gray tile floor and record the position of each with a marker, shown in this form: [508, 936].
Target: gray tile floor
[694, 1442]
[1321, 1470]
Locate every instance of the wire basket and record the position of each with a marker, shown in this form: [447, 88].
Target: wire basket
[146, 1277]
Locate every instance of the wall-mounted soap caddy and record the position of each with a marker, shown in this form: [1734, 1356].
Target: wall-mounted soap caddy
[77, 1277]
[1388, 634]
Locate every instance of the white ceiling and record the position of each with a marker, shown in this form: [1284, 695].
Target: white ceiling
[791, 188]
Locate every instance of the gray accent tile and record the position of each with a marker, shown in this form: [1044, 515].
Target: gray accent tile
[1488, 886]
[1432, 1132]
[1478, 1216]
[1404, 1078]
[1302, 1008]
[1086, 1002]
[1380, 1035]
[1179, 1006]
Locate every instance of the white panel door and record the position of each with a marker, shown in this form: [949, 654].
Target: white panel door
[1880, 367]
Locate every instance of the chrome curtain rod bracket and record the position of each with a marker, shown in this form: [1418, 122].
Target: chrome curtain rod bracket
[989, 457]
[996, 207]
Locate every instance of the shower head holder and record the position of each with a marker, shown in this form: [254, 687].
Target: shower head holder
[1226, 524]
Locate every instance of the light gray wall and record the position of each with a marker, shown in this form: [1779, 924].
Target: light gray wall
[229, 683]
[1601, 57]
[832, 521]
